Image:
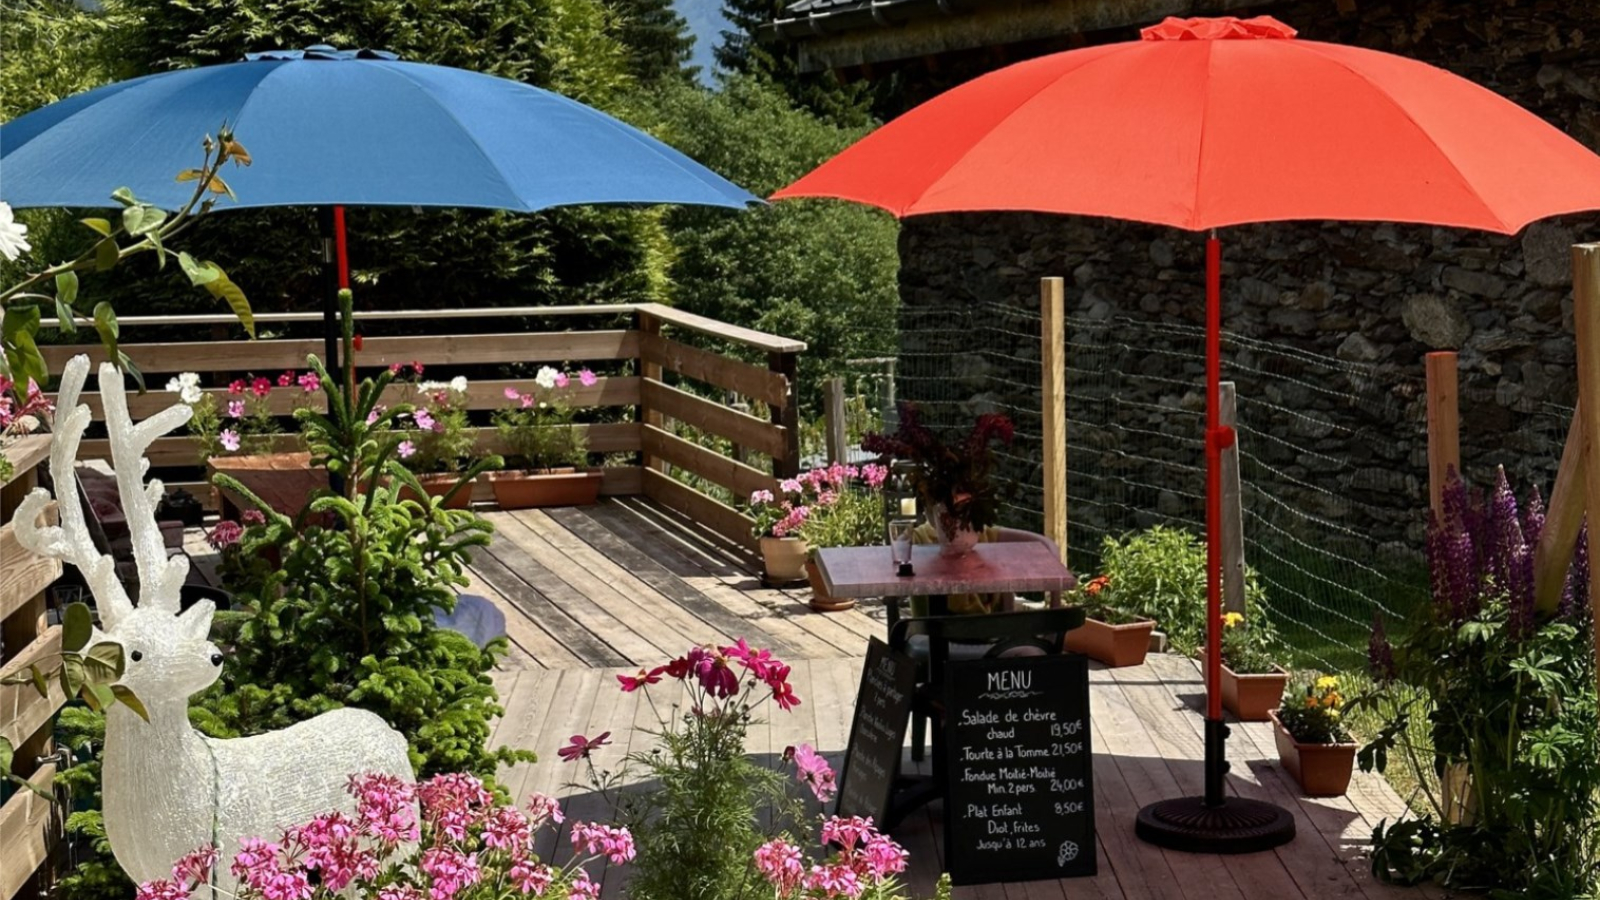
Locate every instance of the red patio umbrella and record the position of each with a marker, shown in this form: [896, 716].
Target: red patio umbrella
[1202, 124]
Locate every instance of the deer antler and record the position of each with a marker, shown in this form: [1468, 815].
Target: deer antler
[70, 541]
[160, 577]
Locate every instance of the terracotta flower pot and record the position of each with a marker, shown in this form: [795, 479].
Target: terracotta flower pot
[821, 600]
[1322, 770]
[1115, 645]
[437, 484]
[522, 489]
[1253, 697]
[783, 559]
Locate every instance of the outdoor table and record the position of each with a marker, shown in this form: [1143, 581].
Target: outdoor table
[992, 568]
[284, 481]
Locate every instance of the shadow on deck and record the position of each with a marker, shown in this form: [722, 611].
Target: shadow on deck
[629, 583]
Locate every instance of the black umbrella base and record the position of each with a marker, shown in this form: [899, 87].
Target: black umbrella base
[1233, 826]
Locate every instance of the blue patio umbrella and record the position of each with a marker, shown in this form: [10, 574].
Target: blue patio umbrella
[333, 128]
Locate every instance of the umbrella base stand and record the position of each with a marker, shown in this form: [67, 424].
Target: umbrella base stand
[1216, 823]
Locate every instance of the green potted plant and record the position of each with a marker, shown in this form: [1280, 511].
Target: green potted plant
[848, 512]
[1109, 635]
[439, 444]
[1252, 680]
[778, 517]
[954, 474]
[549, 463]
[1313, 744]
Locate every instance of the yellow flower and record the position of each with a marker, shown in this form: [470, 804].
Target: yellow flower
[1232, 619]
[1333, 714]
[1327, 682]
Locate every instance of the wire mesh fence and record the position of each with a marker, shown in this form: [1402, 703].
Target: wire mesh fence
[1333, 453]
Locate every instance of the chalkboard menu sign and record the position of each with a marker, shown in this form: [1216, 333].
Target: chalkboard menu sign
[877, 733]
[1020, 802]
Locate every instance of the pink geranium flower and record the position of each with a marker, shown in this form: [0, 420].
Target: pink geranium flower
[587, 378]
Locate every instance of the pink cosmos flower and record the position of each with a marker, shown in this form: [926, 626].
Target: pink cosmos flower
[580, 746]
[236, 386]
[286, 379]
[511, 393]
[631, 683]
[713, 672]
[229, 439]
[235, 409]
[814, 772]
[424, 419]
[563, 379]
[587, 378]
[406, 449]
[309, 382]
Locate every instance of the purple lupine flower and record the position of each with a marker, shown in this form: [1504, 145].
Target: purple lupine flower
[1533, 518]
[1575, 595]
[1380, 653]
[1504, 533]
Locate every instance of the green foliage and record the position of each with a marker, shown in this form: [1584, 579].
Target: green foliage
[1160, 574]
[1248, 643]
[854, 519]
[1313, 711]
[776, 63]
[658, 40]
[95, 874]
[48, 54]
[1517, 712]
[821, 271]
[344, 614]
[538, 426]
[447, 442]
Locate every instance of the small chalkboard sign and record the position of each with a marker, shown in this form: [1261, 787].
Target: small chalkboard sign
[877, 732]
[1020, 802]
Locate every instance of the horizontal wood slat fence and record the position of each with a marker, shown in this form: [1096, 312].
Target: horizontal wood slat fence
[30, 826]
[676, 390]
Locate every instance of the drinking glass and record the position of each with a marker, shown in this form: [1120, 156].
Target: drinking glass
[900, 532]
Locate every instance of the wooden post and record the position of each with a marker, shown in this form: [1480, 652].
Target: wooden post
[1444, 426]
[787, 415]
[1053, 402]
[1558, 542]
[1586, 324]
[648, 326]
[1232, 507]
[834, 421]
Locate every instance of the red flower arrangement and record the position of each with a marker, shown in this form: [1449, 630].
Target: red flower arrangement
[954, 472]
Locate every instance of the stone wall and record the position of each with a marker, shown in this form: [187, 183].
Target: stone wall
[1373, 298]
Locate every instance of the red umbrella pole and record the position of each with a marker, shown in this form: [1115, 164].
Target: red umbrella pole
[1218, 438]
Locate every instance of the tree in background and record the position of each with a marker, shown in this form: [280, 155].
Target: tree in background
[657, 38]
[818, 270]
[742, 52]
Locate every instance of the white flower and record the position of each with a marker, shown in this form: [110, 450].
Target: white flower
[459, 384]
[13, 234]
[546, 378]
[428, 387]
[187, 387]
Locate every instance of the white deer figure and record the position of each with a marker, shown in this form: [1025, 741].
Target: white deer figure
[169, 789]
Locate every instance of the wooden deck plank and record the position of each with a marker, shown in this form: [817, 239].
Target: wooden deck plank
[843, 631]
[528, 711]
[568, 715]
[531, 646]
[549, 603]
[594, 571]
[653, 619]
[784, 622]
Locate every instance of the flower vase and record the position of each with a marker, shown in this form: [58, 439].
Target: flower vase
[954, 540]
[783, 560]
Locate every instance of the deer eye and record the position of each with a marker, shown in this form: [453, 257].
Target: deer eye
[136, 655]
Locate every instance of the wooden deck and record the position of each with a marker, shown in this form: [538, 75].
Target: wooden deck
[592, 593]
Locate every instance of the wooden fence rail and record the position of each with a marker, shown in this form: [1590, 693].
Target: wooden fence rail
[29, 824]
[668, 393]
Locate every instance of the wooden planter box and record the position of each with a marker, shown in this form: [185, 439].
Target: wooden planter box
[1115, 645]
[1252, 697]
[821, 600]
[1322, 770]
[520, 489]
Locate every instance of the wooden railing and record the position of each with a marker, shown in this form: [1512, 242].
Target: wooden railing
[674, 388]
[29, 824]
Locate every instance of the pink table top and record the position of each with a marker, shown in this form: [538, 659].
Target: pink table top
[1005, 567]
